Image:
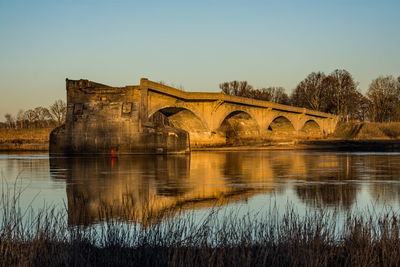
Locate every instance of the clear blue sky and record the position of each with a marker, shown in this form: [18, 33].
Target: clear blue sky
[196, 44]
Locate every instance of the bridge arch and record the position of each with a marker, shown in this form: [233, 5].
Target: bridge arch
[311, 129]
[174, 108]
[185, 119]
[223, 112]
[239, 127]
[281, 127]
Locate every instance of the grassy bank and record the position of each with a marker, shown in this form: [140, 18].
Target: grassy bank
[24, 139]
[45, 239]
[367, 131]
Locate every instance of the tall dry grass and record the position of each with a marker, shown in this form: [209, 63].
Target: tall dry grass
[367, 130]
[319, 238]
[25, 135]
[375, 130]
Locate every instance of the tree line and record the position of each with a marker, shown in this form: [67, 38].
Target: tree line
[39, 117]
[336, 93]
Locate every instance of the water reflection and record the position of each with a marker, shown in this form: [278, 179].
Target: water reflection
[330, 181]
[145, 187]
[383, 172]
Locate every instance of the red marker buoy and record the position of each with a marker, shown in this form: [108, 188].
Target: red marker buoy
[112, 153]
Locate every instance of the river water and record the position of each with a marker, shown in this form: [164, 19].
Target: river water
[240, 181]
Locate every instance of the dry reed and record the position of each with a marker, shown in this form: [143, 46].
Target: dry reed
[25, 135]
[367, 130]
[318, 238]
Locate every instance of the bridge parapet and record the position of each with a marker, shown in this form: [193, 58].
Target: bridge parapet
[202, 96]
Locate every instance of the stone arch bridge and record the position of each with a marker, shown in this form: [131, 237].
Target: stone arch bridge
[217, 118]
[155, 118]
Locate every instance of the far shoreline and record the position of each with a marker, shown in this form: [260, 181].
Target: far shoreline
[381, 145]
[374, 145]
[348, 136]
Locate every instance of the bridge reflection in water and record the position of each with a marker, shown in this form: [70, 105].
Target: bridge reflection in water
[143, 188]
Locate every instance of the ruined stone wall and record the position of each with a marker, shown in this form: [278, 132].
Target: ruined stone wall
[105, 120]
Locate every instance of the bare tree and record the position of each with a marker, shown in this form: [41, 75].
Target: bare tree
[10, 121]
[384, 97]
[38, 117]
[342, 97]
[21, 119]
[310, 92]
[236, 88]
[363, 113]
[31, 117]
[58, 111]
[42, 115]
[278, 95]
[243, 89]
[226, 88]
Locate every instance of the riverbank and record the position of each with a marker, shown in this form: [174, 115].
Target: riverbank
[16, 140]
[323, 145]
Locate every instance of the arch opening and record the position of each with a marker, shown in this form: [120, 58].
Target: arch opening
[183, 119]
[239, 128]
[311, 130]
[281, 129]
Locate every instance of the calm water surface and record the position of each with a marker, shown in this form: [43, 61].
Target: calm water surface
[239, 181]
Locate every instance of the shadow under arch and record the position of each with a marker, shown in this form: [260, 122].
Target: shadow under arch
[311, 129]
[240, 128]
[281, 128]
[184, 119]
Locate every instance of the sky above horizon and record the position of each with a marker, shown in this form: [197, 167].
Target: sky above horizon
[194, 44]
